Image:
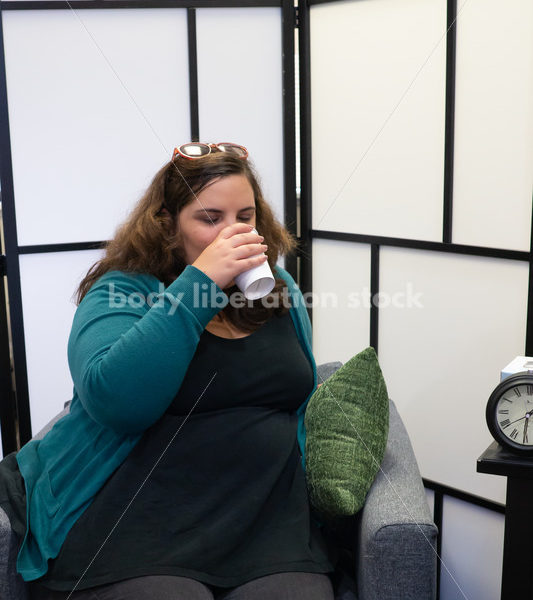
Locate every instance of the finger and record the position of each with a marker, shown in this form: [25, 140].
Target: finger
[250, 250]
[235, 228]
[250, 263]
[240, 239]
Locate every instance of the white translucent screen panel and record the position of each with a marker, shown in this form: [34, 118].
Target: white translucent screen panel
[49, 282]
[378, 100]
[462, 320]
[240, 87]
[472, 551]
[493, 173]
[340, 300]
[97, 100]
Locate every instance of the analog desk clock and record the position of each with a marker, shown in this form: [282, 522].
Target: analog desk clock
[510, 413]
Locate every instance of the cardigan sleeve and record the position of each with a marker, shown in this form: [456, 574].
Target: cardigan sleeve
[298, 303]
[131, 344]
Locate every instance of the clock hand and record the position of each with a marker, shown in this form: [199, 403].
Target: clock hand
[516, 420]
[525, 440]
[526, 416]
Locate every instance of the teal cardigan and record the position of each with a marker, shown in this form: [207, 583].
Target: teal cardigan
[130, 346]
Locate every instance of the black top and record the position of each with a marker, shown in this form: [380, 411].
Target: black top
[220, 495]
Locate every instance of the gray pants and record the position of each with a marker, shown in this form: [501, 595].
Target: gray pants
[279, 586]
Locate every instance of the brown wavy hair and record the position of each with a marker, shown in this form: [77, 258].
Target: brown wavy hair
[147, 242]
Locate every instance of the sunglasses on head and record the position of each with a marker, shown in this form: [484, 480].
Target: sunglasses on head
[194, 150]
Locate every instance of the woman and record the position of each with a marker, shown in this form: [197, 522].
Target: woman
[178, 471]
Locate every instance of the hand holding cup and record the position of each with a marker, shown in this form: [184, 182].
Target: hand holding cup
[237, 248]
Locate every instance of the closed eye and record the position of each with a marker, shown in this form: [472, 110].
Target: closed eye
[215, 219]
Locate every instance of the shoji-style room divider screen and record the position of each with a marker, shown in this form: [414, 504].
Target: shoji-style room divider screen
[418, 144]
[94, 97]
[432, 217]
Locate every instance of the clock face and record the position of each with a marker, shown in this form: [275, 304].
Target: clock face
[515, 414]
[510, 413]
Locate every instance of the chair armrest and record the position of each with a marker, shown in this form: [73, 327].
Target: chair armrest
[12, 586]
[396, 538]
[325, 370]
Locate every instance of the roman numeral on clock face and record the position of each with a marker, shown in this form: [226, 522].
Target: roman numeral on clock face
[503, 411]
[517, 392]
[530, 390]
[514, 433]
[504, 424]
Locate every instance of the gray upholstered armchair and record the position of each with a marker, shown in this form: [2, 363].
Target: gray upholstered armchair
[388, 551]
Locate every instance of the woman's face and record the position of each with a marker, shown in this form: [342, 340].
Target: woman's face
[225, 201]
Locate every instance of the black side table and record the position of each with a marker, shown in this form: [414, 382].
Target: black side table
[517, 576]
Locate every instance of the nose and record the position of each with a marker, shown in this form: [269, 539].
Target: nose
[228, 220]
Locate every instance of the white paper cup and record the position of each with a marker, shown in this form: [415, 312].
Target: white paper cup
[256, 282]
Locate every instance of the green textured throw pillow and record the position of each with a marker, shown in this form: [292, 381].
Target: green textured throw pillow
[347, 423]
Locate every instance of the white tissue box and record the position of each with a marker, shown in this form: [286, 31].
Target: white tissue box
[518, 365]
